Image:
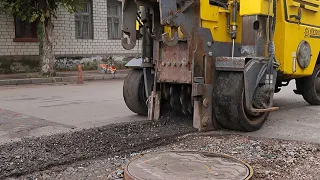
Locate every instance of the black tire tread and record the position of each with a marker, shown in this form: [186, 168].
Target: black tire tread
[228, 105]
[308, 91]
[133, 89]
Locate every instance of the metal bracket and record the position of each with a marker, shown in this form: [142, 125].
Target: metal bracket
[154, 106]
[129, 9]
[230, 64]
[202, 88]
[169, 13]
[170, 41]
[202, 118]
[298, 16]
[197, 89]
[265, 110]
[171, 17]
[135, 62]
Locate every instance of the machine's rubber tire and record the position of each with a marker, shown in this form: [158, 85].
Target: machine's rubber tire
[307, 87]
[229, 104]
[134, 92]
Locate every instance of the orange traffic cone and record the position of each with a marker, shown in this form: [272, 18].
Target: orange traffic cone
[80, 75]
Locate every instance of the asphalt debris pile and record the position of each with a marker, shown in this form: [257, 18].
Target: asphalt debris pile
[38, 154]
[270, 158]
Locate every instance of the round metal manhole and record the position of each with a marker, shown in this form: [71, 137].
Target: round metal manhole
[186, 166]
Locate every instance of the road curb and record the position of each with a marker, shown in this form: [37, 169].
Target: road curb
[70, 79]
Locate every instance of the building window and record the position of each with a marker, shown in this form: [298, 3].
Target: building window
[83, 21]
[25, 31]
[114, 19]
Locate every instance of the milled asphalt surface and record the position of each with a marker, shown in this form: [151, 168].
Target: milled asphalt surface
[36, 154]
[36, 110]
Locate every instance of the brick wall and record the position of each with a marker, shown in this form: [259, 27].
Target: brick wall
[65, 42]
[7, 34]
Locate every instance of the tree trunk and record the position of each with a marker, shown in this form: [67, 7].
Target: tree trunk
[47, 55]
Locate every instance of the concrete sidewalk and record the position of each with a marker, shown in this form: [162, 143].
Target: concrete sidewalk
[68, 76]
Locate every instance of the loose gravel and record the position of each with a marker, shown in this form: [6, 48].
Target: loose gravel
[101, 153]
[269, 158]
[30, 155]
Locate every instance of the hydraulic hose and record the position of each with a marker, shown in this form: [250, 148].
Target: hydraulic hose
[271, 45]
[218, 3]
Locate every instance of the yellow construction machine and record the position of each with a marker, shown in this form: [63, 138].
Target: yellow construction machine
[220, 61]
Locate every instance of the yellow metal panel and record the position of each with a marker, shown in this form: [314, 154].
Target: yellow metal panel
[137, 25]
[293, 35]
[309, 11]
[209, 12]
[214, 18]
[253, 7]
[288, 36]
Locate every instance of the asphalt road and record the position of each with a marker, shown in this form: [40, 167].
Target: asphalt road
[296, 119]
[36, 110]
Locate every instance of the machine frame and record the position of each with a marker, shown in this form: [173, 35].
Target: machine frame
[221, 61]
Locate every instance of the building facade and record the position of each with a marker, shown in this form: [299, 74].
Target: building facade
[93, 32]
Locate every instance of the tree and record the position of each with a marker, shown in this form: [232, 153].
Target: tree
[42, 12]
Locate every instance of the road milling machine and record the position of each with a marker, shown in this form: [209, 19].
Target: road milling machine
[220, 61]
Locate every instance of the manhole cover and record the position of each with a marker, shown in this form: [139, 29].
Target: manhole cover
[186, 166]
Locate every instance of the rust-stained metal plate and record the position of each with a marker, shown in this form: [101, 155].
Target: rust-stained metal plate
[187, 166]
[230, 63]
[197, 89]
[175, 65]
